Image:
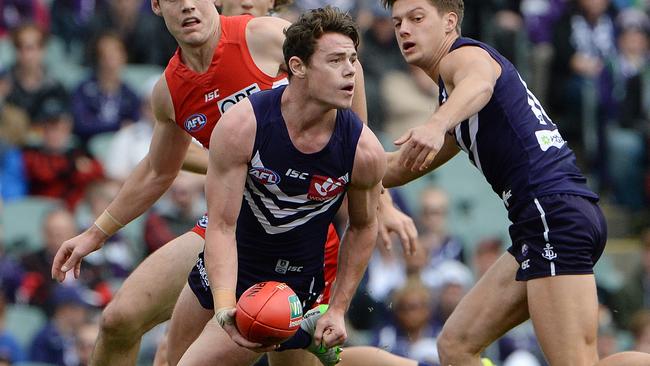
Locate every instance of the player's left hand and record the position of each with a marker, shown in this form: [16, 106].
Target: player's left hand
[420, 145]
[392, 220]
[330, 329]
[226, 318]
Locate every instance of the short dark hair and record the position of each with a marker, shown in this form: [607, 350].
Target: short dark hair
[17, 33]
[279, 4]
[301, 36]
[455, 6]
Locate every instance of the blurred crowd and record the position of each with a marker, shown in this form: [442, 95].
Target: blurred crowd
[75, 119]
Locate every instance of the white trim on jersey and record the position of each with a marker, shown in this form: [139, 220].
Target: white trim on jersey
[473, 130]
[542, 215]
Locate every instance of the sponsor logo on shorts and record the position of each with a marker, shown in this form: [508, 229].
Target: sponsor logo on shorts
[283, 266]
[549, 253]
[525, 264]
[264, 176]
[203, 273]
[524, 249]
[195, 122]
[548, 139]
[237, 96]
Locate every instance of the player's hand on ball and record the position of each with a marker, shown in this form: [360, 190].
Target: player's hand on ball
[226, 318]
[330, 329]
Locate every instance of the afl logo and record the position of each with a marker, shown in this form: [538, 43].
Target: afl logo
[265, 176]
[203, 222]
[195, 122]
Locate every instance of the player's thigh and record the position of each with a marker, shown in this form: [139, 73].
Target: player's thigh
[148, 295]
[214, 347]
[362, 356]
[564, 311]
[293, 357]
[188, 320]
[493, 306]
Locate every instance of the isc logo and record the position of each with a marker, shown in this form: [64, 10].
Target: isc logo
[265, 176]
[195, 122]
[212, 95]
[235, 97]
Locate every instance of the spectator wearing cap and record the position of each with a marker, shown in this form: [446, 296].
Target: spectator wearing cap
[56, 168]
[56, 342]
[104, 103]
[32, 85]
[627, 130]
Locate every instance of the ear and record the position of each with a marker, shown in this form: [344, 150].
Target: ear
[451, 21]
[155, 7]
[297, 67]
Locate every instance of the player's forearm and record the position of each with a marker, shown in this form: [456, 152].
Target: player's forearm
[196, 160]
[467, 99]
[355, 252]
[221, 266]
[140, 191]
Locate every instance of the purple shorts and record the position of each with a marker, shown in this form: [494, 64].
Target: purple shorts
[558, 234]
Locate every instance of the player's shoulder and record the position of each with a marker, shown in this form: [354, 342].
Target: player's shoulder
[267, 28]
[238, 121]
[369, 160]
[161, 100]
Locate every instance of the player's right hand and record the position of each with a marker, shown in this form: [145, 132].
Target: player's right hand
[73, 250]
[226, 318]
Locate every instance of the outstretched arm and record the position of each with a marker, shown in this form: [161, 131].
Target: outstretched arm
[149, 180]
[359, 238]
[470, 74]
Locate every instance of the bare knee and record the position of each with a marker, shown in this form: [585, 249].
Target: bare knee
[119, 321]
[455, 345]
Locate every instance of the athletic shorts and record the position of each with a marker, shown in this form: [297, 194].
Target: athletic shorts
[558, 234]
[331, 257]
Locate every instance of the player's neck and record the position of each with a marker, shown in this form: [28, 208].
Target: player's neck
[199, 58]
[302, 113]
[432, 66]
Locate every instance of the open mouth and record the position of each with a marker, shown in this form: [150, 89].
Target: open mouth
[189, 22]
[406, 46]
[348, 88]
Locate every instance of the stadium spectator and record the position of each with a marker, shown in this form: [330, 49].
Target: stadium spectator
[172, 217]
[628, 128]
[14, 13]
[85, 341]
[71, 20]
[409, 333]
[37, 285]
[55, 168]
[10, 349]
[32, 84]
[131, 143]
[143, 34]
[104, 103]
[584, 39]
[55, 343]
[486, 252]
[434, 233]
[634, 295]
[13, 130]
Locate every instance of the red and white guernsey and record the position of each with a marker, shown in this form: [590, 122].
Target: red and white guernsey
[200, 99]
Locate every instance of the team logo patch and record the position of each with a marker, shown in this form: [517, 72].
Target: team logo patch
[324, 188]
[524, 250]
[264, 176]
[195, 122]
[549, 253]
[203, 222]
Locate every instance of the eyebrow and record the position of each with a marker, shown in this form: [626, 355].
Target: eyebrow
[409, 12]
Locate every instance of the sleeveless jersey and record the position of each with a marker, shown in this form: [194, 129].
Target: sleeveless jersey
[200, 99]
[514, 143]
[290, 197]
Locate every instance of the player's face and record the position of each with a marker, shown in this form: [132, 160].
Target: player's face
[191, 22]
[419, 29]
[330, 74]
[256, 8]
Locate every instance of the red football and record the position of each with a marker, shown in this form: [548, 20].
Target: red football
[268, 313]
